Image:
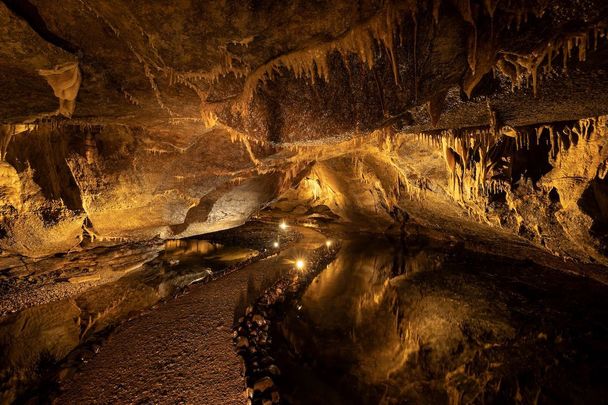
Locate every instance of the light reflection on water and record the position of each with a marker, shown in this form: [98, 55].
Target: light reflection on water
[191, 246]
[426, 322]
[202, 252]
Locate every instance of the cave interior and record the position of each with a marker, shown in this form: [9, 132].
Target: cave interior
[408, 197]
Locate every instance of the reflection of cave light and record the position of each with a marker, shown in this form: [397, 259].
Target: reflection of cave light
[275, 244]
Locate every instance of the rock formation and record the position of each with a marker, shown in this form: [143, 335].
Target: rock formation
[127, 121]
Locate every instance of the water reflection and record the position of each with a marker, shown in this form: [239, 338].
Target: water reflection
[205, 253]
[192, 246]
[427, 322]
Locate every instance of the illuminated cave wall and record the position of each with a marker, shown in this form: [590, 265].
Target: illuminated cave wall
[127, 121]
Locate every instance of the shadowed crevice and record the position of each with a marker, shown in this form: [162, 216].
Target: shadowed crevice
[29, 13]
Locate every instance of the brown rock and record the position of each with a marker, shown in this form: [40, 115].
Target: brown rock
[263, 384]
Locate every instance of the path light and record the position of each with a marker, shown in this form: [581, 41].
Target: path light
[328, 243]
[283, 225]
[299, 264]
[275, 244]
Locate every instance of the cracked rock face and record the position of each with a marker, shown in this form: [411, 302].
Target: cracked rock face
[127, 121]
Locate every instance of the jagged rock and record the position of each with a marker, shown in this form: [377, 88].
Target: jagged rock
[259, 319]
[266, 361]
[140, 121]
[259, 116]
[242, 343]
[274, 370]
[263, 384]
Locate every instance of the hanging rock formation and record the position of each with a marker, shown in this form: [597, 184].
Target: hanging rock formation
[180, 119]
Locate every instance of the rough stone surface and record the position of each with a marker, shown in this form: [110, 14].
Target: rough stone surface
[129, 120]
[197, 357]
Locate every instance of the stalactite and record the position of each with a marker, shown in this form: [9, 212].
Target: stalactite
[6, 134]
[229, 64]
[474, 172]
[157, 95]
[470, 166]
[245, 140]
[436, 9]
[156, 151]
[90, 147]
[464, 7]
[580, 133]
[436, 105]
[312, 63]
[65, 82]
[602, 170]
[526, 66]
[130, 98]
[209, 118]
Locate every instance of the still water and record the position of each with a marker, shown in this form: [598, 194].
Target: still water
[428, 322]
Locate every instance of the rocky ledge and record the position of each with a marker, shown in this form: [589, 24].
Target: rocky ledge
[252, 335]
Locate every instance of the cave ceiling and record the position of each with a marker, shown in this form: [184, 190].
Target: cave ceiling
[126, 120]
[301, 70]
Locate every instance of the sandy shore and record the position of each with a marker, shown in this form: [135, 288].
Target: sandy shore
[181, 352]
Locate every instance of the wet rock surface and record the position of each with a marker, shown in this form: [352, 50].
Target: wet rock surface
[26, 282]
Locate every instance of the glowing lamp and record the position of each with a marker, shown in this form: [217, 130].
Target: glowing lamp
[283, 225]
[275, 244]
[299, 264]
[328, 243]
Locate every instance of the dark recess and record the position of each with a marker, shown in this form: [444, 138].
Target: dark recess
[28, 12]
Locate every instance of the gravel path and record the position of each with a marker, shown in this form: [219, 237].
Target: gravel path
[179, 353]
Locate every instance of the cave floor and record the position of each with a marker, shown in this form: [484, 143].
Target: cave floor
[182, 351]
